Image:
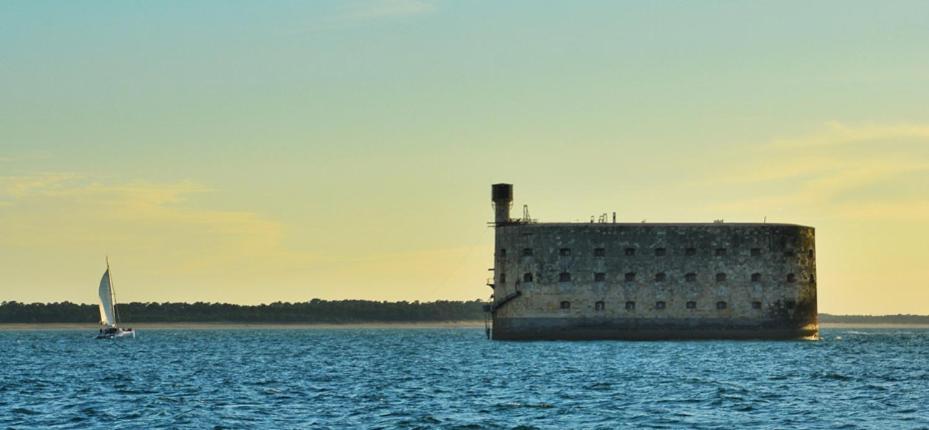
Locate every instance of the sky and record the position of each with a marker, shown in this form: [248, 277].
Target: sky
[251, 152]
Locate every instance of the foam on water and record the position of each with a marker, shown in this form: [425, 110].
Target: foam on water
[454, 378]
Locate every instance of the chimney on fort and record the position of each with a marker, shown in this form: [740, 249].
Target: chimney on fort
[502, 195]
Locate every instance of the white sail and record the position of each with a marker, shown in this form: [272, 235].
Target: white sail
[107, 313]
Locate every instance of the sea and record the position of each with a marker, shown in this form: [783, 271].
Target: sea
[284, 378]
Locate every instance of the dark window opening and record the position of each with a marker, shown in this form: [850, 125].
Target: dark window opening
[599, 306]
[564, 252]
[599, 277]
[720, 305]
[660, 252]
[789, 304]
[564, 277]
[690, 252]
[691, 305]
[629, 252]
[630, 276]
[566, 305]
[812, 279]
[756, 305]
[630, 306]
[659, 305]
[791, 278]
[527, 252]
[790, 253]
[599, 252]
[661, 277]
[690, 277]
[720, 252]
[503, 278]
[527, 277]
[810, 253]
[756, 277]
[756, 252]
[720, 277]
[503, 252]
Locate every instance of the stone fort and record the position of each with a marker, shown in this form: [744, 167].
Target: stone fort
[609, 280]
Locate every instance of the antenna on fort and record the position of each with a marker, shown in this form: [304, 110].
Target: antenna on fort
[614, 217]
[526, 213]
[766, 219]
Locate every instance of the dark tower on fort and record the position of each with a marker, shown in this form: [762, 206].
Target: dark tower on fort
[502, 196]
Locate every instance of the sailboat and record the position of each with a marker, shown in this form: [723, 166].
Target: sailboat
[108, 310]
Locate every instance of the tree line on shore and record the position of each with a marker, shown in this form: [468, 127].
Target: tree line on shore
[313, 311]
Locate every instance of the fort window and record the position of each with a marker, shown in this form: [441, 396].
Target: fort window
[599, 306]
[527, 252]
[756, 252]
[721, 305]
[599, 252]
[720, 252]
[720, 277]
[564, 277]
[661, 277]
[629, 252]
[791, 278]
[790, 253]
[503, 278]
[812, 279]
[809, 253]
[690, 277]
[503, 252]
[756, 277]
[599, 277]
[564, 252]
[756, 305]
[565, 305]
[630, 276]
[630, 306]
[690, 252]
[691, 305]
[659, 305]
[660, 252]
[527, 277]
[789, 304]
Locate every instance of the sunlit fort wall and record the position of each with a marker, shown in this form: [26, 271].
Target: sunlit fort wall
[609, 280]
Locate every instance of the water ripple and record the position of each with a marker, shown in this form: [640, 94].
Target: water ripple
[455, 379]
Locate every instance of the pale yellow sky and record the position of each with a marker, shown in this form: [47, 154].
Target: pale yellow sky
[346, 150]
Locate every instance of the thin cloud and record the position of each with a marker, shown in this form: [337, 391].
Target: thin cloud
[809, 171]
[837, 133]
[54, 208]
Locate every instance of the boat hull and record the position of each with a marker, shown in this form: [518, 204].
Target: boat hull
[118, 333]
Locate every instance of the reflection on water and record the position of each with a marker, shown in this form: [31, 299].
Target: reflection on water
[455, 378]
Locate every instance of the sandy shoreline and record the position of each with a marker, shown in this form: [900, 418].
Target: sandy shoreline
[367, 325]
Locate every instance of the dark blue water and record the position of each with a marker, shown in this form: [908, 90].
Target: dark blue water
[434, 378]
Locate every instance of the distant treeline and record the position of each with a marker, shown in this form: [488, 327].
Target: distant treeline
[313, 311]
[875, 319]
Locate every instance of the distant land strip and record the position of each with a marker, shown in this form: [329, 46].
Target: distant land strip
[315, 311]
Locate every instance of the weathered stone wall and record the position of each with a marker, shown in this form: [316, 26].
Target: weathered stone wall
[765, 274]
